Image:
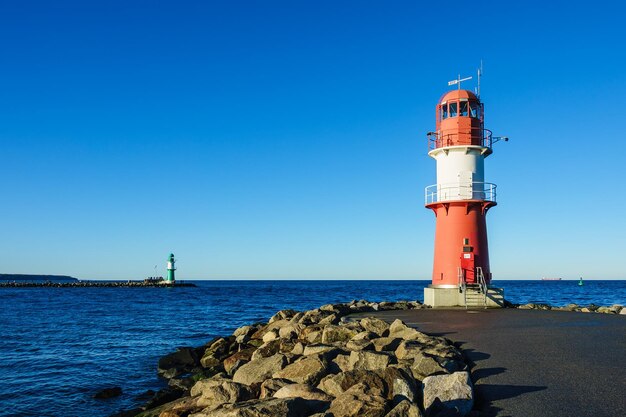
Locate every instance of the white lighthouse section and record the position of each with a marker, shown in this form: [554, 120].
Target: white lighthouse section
[460, 175]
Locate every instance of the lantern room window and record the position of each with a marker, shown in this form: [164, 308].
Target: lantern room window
[444, 111]
[464, 109]
[454, 109]
[474, 110]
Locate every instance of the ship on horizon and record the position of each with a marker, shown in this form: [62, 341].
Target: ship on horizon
[551, 279]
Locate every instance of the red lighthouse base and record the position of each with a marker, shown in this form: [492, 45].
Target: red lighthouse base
[460, 242]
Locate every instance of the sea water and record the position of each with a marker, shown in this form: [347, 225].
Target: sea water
[58, 346]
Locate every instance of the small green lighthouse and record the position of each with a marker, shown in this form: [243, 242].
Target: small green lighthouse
[170, 270]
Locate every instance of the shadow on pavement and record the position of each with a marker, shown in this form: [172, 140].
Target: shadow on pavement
[486, 394]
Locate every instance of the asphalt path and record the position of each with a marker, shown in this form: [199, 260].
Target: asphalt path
[534, 362]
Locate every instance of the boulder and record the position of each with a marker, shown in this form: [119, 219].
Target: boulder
[309, 370]
[337, 334]
[359, 344]
[374, 325]
[270, 335]
[305, 391]
[269, 407]
[298, 349]
[426, 365]
[270, 386]
[401, 330]
[215, 353]
[164, 396]
[405, 409]
[317, 348]
[365, 335]
[290, 331]
[179, 362]
[177, 408]
[368, 360]
[259, 370]
[337, 384]
[282, 315]
[354, 403]
[330, 319]
[342, 362]
[386, 343]
[266, 350]
[409, 349]
[622, 311]
[244, 334]
[454, 391]
[214, 393]
[242, 356]
[400, 383]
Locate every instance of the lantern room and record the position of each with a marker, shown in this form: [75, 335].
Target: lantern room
[459, 115]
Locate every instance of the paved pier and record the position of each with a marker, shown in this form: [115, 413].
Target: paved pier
[533, 362]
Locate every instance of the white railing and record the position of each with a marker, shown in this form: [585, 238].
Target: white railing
[484, 191]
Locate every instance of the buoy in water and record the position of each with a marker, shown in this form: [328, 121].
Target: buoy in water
[580, 282]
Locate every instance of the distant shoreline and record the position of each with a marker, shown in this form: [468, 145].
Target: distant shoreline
[90, 284]
[37, 277]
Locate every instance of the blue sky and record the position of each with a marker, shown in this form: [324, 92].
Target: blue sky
[281, 140]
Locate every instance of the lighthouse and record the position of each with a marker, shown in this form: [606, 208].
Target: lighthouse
[460, 201]
[171, 279]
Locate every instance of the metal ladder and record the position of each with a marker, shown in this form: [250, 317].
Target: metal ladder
[462, 284]
[482, 282]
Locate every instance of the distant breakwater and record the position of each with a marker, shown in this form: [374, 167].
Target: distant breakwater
[85, 284]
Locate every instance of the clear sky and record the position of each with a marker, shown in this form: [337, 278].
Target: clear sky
[273, 139]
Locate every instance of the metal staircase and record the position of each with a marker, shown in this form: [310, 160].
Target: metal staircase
[478, 294]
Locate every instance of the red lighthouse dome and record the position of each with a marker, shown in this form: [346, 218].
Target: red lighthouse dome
[459, 121]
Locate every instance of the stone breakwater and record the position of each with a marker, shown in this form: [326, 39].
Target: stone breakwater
[84, 284]
[591, 308]
[317, 363]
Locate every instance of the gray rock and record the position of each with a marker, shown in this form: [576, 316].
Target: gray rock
[354, 403]
[260, 369]
[359, 344]
[214, 393]
[335, 334]
[176, 363]
[365, 335]
[373, 384]
[317, 348]
[426, 365]
[401, 384]
[240, 357]
[298, 349]
[454, 391]
[266, 350]
[367, 360]
[342, 362]
[405, 409]
[309, 370]
[386, 343]
[270, 386]
[409, 349]
[305, 391]
[374, 325]
[270, 407]
[290, 331]
[282, 315]
[401, 330]
[270, 335]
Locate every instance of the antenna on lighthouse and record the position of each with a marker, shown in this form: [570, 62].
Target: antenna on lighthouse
[479, 73]
[458, 81]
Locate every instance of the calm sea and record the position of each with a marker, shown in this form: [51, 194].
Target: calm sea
[60, 345]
